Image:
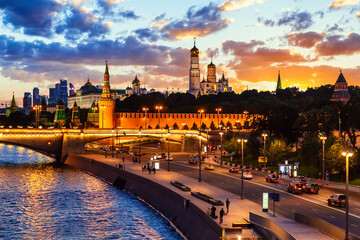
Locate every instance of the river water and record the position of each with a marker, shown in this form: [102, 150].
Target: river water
[39, 201]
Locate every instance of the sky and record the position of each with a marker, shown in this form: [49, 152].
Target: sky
[309, 42]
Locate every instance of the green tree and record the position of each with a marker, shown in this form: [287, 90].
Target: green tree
[203, 126]
[175, 126]
[278, 152]
[166, 127]
[185, 127]
[194, 127]
[212, 125]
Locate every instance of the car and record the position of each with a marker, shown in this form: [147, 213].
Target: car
[301, 179]
[272, 178]
[337, 200]
[248, 175]
[169, 158]
[311, 188]
[209, 167]
[295, 187]
[193, 161]
[233, 170]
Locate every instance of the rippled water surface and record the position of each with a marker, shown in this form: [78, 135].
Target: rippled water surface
[38, 201]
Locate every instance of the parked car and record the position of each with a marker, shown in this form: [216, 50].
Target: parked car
[295, 187]
[337, 200]
[272, 178]
[248, 175]
[311, 188]
[170, 158]
[209, 167]
[234, 170]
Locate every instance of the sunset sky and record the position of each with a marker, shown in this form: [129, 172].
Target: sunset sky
[309, 41]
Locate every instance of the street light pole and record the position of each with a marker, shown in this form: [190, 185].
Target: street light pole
[139, 146]
[340, 135]
[200, 111]
[207, 143]
[323, 138]
[264, 135]
[218, 110]
[242, 166]
[168, 150]
[159, 108]
[347, 154]
[145, 110]
[112, 143]
[221, 147]
[199, 136]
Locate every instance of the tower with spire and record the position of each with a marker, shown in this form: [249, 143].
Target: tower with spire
[341, 92]
[106, 104]
[278, 85]
[194, 72]
[13, 107]
[75, 118]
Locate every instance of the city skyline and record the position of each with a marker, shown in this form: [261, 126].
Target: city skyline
[250, 40]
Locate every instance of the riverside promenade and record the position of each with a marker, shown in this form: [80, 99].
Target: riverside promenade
[239, 209]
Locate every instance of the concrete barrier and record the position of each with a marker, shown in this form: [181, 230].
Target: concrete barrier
[323, 226]
[269, 229]
[187, 217]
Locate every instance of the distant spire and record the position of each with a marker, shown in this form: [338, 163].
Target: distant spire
[278, 85]
[211, 58]
[194, 41]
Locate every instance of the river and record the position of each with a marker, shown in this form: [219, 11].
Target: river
[41, 201]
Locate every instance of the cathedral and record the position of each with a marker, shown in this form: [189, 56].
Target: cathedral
[209, 85]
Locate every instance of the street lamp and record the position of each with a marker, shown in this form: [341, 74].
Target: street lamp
[323, 138]
[139, 146]
[221, 134]
[199, 136]
[145, 110]
[207, 142]
[200, 111]
[218, 110]
[340, 135]
[347, 154]
[37, 109]
[94, 111]
[159, 108]
[242, 166]
[168, 150]
[264, 135]
[112, 143]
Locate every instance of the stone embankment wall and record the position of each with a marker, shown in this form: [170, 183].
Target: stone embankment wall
[189, 219]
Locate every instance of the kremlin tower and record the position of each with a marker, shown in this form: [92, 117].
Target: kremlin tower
[194, 72]
[341, 92]
[106, 104]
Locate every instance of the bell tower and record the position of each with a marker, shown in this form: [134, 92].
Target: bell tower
[194, 72]
[106, 104]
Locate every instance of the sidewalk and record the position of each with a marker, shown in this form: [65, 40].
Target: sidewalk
[239, 209]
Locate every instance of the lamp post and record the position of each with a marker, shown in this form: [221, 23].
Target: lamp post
[218, 110]
[199, 136]
[340, 124]
[323, 138]
[37, 109]
[347, 154]
[159, 108]
[242, 166]
[145, 110]
[112, 143]
[264, 135]
[139, 146]
[207, 143]
[168, 150]
[94, 110]
[200, 111]
[221, 134]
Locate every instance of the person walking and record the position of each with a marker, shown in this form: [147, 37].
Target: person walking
[123, 159]
[222, 212]
[213, 211]
[227, 205]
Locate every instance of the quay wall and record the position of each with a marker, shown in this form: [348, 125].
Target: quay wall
[188, 218]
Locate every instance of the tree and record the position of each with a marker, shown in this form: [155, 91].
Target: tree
[278, 152]
[212, 126]
[194, 127]
[175, 126]
[157, 127]
[222, 124]
[203, 126]
[166, 127]
[228, 125]
[149, 127]
[185, 127]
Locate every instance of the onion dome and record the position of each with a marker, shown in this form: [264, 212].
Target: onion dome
[136, 81]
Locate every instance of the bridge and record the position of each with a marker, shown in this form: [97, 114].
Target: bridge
[57, 143]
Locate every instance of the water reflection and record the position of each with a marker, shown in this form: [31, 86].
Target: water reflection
[45, 202]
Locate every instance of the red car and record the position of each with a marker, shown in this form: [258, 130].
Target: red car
[272, 178]
[233, 170]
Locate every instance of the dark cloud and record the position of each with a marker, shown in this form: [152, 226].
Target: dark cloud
[253, 55]
[150, 34]
[335, 28]
[34, 17]
[305, 40]
[78, 22]
[297, 20]
[197, 22]
[129, 14]
[336, 45]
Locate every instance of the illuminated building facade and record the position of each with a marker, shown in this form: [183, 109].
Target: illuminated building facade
[341, 92]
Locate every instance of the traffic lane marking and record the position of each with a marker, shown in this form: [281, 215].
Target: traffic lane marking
[284, 192]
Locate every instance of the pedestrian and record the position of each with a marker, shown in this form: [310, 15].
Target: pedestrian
[227, 205]
[154, 170]
[123, 160]
[221, 215]
[149, 169]
[212, 211]
[105, 153]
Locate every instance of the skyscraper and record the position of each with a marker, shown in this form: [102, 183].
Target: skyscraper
[52, 97]
[64, 92]
[36, 96]
[71, 90]
[27, 101]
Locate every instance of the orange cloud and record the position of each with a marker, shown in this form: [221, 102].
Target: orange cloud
[341, 3]
[334, 45]
[238, 4]
[305, 40]
[358, 14]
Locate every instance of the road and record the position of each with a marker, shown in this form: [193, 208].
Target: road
[307, 204]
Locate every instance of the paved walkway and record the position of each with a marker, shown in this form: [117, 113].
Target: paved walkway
[239, 209]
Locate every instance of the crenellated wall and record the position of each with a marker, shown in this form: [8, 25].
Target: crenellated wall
[137, 120]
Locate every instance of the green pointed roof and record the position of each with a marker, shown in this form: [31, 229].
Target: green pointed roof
[13, 103]
[278, 85]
